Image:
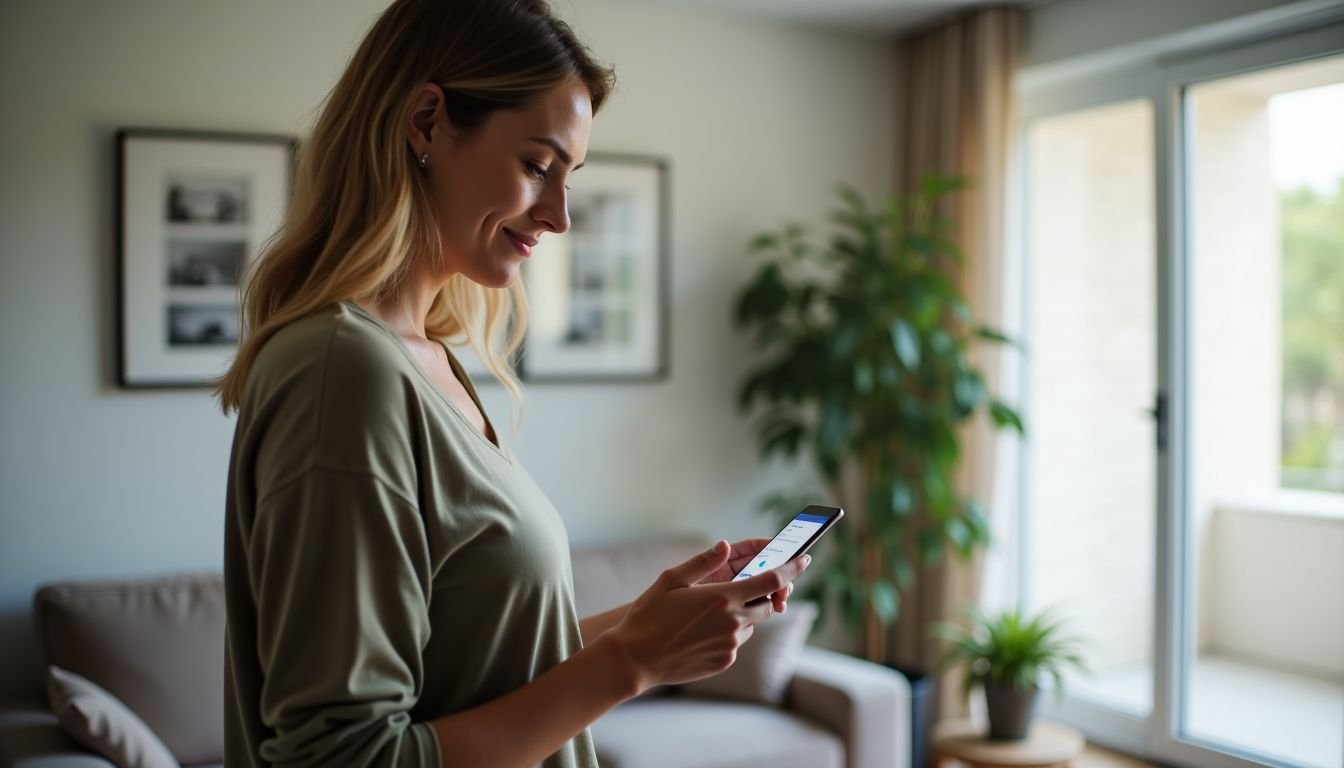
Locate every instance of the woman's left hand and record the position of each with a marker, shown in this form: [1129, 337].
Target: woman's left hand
[741, 553]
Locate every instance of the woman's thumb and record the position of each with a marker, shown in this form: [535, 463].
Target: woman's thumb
[700, 566]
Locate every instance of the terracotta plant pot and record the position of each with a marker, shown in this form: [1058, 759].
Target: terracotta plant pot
[1010, 711]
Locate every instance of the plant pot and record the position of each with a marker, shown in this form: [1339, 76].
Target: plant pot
[1010, 711]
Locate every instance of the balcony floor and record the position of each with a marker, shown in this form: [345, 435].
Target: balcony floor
[1289, 717]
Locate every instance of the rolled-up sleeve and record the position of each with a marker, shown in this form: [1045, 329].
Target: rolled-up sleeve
[340, 571]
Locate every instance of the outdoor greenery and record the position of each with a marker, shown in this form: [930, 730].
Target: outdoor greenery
[1008, 650]
[1313, 337]
[864, 366]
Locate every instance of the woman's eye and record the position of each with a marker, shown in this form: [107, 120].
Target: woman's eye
[537, 171]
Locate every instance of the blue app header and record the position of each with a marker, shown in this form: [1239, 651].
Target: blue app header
[811, 519]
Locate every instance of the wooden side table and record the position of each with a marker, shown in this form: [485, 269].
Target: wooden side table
[1047, 744]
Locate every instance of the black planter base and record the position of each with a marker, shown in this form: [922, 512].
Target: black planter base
[1010, 711]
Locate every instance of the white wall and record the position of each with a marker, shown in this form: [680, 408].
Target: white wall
[757, 120]
[1274, 591]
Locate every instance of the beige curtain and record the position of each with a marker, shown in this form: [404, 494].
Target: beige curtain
[954, 116]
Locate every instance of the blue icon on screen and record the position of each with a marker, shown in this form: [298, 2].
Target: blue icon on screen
[761, 564]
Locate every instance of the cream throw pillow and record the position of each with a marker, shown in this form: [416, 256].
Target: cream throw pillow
[765, 663]
[98, 720]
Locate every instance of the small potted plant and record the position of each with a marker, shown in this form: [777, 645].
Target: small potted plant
[1007, 654]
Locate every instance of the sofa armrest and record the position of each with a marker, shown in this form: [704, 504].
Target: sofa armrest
[32, 738]
[866, 703]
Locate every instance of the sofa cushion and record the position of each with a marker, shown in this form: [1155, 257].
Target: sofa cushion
[766, 662]
[32, 737]
[156, 644]
[699, 733]
[613, 574]
[95, 718]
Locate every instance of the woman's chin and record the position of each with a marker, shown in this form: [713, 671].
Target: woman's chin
[498, 278]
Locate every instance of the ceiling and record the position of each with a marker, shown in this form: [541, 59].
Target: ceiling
[878, 17]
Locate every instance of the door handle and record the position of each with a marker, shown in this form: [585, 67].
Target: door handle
[1159, 414]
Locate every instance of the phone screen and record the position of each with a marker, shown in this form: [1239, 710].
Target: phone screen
[805, 528]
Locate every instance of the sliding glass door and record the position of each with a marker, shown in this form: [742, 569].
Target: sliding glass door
[1091, 336]
[1183, 479]
[1263, 650]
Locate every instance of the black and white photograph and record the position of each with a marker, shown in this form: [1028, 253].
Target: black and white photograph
[193, 209]
[220, 200]
[597, 292]
[202, 325]
[198, 262]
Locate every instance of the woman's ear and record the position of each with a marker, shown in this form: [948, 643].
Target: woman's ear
[426, 113]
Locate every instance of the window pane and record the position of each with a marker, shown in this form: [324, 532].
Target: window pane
[1266, 225]
[1091, 354]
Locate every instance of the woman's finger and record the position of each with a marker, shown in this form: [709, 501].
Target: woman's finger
[757, 612]
[763, 585]
[743, 551]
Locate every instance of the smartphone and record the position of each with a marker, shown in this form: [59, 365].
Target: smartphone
[796, 538]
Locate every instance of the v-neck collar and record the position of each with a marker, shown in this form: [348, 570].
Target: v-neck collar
[458, 372]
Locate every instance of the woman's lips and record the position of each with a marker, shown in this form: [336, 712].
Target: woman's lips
[522, 243]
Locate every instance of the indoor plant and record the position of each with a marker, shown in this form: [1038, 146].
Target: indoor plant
[1007, 653]
[865, 365]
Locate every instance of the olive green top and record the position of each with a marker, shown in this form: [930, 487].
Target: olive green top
[384, 562]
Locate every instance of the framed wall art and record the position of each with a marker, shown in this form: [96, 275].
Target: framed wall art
[193, 208]
[598, 293]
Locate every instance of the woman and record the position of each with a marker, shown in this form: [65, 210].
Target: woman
[398, 588]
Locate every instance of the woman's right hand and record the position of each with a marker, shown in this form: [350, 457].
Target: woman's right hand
[679, 630]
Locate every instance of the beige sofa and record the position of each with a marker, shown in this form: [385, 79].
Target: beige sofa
[157, 644]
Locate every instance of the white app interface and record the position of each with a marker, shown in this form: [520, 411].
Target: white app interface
[783, 546]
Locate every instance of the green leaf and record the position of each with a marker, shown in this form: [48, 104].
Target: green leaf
[764, 298]
[1005, 416]
[968, 391]
[940, 342]
[930, 547]
[781, 435]
[757, 381]
[886, 601]
[905, 574]
[938, 490]
[763, 242]
[888, 375]
[928, 309]
[902, 499]
[905, 341]
[845, 341]
[978, 523]
[851, 197]
[936, 186]
[879, 504]
[834, 430]
[1008, 647]
[863, 377]
[960, 535]
[989, 334]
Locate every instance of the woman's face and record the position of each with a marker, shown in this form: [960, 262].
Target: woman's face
[500, 188]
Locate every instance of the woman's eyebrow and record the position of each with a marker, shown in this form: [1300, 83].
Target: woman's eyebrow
[559, 149]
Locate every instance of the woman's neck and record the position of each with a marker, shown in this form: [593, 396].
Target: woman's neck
[406, 307]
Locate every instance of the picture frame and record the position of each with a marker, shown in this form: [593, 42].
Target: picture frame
[598, 294]
[193, 208]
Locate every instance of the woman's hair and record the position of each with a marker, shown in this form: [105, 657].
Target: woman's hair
[360, 213]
